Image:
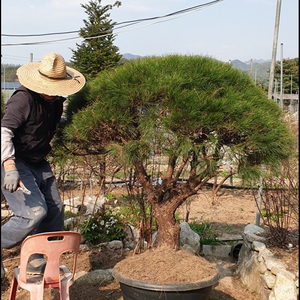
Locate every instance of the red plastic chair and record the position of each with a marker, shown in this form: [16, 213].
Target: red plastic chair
[52, 245]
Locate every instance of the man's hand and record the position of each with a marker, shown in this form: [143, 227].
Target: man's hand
[11, 178]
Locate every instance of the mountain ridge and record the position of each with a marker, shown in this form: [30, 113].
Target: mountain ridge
[248, 62]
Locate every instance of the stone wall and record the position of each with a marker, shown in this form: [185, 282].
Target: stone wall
[261, 272]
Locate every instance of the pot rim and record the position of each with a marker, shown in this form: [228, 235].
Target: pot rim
[165, 287]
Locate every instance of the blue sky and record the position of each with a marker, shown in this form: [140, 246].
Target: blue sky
[226, 30]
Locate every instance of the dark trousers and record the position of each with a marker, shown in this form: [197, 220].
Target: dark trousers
[41, 211]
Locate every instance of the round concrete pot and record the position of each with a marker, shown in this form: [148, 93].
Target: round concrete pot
[138, 290]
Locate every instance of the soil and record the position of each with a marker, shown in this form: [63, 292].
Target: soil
[228, 214]
[187, 269]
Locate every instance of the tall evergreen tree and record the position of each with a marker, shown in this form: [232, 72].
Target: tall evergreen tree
[97, 52]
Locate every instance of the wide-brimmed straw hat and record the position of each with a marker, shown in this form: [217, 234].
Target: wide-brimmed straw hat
[51, 76]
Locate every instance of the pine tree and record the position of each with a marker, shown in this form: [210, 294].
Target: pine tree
[194, 113]
[97, 52]
[290, 75]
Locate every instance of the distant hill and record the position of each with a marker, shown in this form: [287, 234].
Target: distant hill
[260, 69]
[246, 65]
[130, 56]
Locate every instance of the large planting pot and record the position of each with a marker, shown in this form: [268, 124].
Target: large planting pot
[137, 290]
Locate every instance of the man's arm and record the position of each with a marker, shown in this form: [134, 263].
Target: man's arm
[7, 146]
[11, 180]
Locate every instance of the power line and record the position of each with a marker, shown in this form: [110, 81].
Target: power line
[40, 43]
[39, 34]
[117, 26]
[196, 7]
[14, 57]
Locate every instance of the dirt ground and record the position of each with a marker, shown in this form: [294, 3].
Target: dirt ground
[228, 214]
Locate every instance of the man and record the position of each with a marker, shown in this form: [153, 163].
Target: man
[31, 118]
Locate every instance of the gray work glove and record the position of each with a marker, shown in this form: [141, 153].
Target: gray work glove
[11, 179]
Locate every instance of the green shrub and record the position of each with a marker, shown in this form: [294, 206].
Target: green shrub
[104, 226]
[135, 209]
[68, 214]
[208, 235]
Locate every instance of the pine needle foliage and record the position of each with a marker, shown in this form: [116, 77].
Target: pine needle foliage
[183, 105]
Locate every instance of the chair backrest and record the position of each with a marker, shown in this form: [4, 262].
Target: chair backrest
[53, 245]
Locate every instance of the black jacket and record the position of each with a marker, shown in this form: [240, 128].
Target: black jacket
[33, 121]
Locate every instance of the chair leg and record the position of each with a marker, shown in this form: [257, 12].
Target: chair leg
[37, 292]
[64, 290]
[13, 289]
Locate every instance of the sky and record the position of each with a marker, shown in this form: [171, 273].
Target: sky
[225, 30]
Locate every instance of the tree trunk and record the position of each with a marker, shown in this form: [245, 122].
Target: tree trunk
[168, 228]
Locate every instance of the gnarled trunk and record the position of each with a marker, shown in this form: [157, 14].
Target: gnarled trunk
[168, 228]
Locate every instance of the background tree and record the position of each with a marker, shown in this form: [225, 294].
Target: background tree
[290, 75]
[189, 112]
[97, 52]
[10, 72]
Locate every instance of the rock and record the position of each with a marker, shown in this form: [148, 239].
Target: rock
[258, 246]
[96, 276]
[269, 280]
[254, 233]
[79, 274]
[262, 267]
[84, 247]
[188, 236]
[249, 271]
[274, 265]
[70, 222]
[115, 245]
[284, 288]
[188, 248]
[132, 236]
[218, 250]
[265, 254]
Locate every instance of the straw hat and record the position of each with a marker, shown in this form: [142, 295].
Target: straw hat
[51, 76]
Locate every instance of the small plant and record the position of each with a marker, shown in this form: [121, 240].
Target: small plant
[208, 235]
[279, 208]
[272, 216]
[68, 214]
[228, 228]
[135, 209]
[104, 226]
[110, 196]
[138, 213]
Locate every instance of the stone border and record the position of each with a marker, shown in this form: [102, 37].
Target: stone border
[261, 272]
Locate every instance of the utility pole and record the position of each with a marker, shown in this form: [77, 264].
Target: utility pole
[281, 77]
[275, 91]
[275, 39]
[270, 91]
